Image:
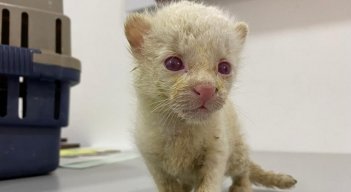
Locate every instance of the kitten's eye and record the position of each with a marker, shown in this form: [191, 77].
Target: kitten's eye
[174, 63]
[224, 68]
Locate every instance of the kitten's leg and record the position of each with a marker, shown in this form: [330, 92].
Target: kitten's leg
[241, 184]
[164, 182]
[212, 174]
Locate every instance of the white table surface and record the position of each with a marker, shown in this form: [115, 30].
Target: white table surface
[314, 172]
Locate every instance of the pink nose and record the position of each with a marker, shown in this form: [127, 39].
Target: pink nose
[205, 92]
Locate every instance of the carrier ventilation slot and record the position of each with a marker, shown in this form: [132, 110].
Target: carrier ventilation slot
[58, 34]
[5, 27]
[24, 30]
[3, 96]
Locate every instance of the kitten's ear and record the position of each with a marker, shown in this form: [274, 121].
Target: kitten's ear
[241, 30]
[136, 26]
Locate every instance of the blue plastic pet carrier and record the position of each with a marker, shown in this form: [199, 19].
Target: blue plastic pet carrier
[36, 73]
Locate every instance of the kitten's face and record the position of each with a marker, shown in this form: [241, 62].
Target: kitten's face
[187, 65]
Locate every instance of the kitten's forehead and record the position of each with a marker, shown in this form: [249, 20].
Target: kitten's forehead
[194, 29]
[193, 18]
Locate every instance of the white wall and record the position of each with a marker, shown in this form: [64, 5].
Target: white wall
[101, 105]
[133, 5]
[293, 94]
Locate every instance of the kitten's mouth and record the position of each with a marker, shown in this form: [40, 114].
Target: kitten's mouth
[199, 110]
[202, 107]
[195, 110]
[196, 114]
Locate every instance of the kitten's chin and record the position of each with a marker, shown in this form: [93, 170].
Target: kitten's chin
[196, 116]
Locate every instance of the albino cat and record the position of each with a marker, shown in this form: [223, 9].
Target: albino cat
[187, 55]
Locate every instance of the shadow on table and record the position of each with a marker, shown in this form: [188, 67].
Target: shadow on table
[47, 183]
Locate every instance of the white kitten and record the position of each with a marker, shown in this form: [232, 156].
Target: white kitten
[187, 131]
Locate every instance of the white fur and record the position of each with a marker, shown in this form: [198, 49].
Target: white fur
[184, 148]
